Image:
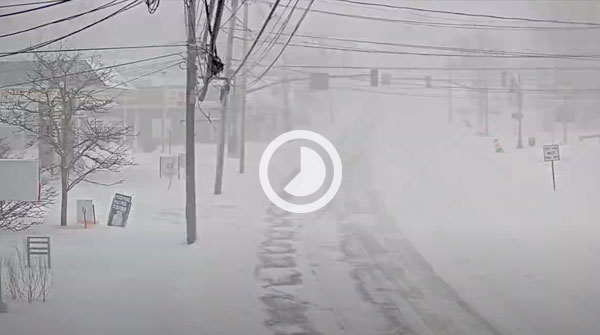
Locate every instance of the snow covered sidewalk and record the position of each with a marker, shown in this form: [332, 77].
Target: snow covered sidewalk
[144, 279]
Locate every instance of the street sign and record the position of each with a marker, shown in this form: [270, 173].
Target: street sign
[517, 116]
[168, 166]
[119, 210]
[565, 116]
[551, 153]
[86, 212]
[38, 245]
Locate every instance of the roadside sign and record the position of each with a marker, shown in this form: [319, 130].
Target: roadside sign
[38, 245]
[86, 212]
[168, 166]
[119, 210]
[551, 153]
[19, 180]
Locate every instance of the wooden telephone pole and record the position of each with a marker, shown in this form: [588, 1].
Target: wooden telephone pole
[243, 84]
[225, 92]
[190, 103]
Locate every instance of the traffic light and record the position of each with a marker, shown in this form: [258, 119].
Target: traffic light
[374, 77]
[319, 81]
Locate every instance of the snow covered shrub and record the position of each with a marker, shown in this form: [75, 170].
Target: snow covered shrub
[32, 282]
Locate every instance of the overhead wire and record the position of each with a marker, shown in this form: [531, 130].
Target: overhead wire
[29, 10]
[111, 48]
[584, 57]
[234, 12]
[306, 10]
[91, 70]
[262, 29]
[446, 48]
[141, 76]
[65, 19]
[468, 26]
[28, 4]
[127, 7]
[456, 13]
[271, 43]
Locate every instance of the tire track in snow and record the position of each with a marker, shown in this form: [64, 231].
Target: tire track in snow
[391, 274]
[278, 274]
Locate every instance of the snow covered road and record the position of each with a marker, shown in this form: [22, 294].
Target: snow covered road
[431, 233]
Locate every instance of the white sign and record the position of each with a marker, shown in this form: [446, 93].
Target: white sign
[19, 179]
[85, 211]
[168, 166]
[551, 153]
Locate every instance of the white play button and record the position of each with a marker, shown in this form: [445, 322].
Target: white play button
[312, 173]
[311, 176]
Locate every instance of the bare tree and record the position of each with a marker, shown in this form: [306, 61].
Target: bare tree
[63, 109]
[21, 215]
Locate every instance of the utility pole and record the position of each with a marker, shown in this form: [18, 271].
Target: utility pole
[285, 85]
[190, 145]
[520, 115]
[163, 118]
[486, 129]
[224, 94]
[243, 84]
[449, 96]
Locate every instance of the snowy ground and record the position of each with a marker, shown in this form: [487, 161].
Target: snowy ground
[143, 279]
[490, 224]
[431, 233]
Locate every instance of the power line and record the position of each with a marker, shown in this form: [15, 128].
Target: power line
[277, 34]
[487, 16]
[453, 69]
[262, 29]
[141, 76]
[449, 48]
[233, 12]
[92, 70]
[286, 43]
[51, 4]
[43, 44]
[460, 55]
[68, 18]
[28, 4]
[469, 26]
[152, 5]
[125, 47]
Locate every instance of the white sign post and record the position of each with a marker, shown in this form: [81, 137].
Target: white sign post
[551, 154]
[168, 166]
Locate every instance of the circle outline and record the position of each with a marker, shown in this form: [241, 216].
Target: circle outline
[263, 171]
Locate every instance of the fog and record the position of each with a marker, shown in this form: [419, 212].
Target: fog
[468, 141]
